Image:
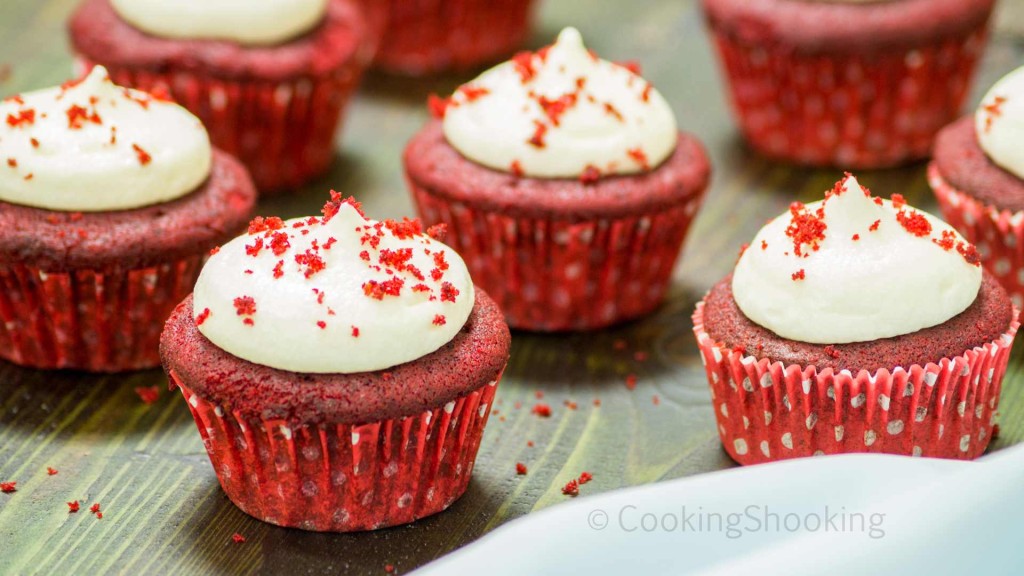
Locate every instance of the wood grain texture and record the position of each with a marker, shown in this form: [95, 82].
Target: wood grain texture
[164, 512]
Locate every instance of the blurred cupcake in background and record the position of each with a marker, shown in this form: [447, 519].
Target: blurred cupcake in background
[855, 324]
[269, 79]
[848, 83]
[564, 183]
[978, 177]
[430, 36]
[110, 199]
[340, 370]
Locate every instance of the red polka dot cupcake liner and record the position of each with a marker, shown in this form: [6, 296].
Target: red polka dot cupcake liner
[429, 36]
[557, 275]
[99, 321]
[342, 477]
[282, 131]
[996, 233]
[853, 111]
[768, 411]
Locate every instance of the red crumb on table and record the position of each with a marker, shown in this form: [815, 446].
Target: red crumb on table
[631, 381]
[237, 538]
[529, 443]
[51, 471]
[73, 507]
[538, 394]
[142, 155]
[520, 469]
[95, 508]
[655, 400]
[570, 404]
[542, 410]
[585, 477]
[8, 487]
[874, 226]
[597, 402]
[798, 275]
[590, 175]
[571, 488]
[149, 394]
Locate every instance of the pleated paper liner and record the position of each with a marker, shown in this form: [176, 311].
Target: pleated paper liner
[100, 321]
[343, 477]
[282, 131]
[555, 275]
[430, 36]
[768, 411]
[996, 233]
[854, 111]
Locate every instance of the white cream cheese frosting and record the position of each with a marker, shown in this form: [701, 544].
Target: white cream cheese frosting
[560, 112]
[854, 268]
[252, 22]
[338, 294]
[999, 123]
[94, 146]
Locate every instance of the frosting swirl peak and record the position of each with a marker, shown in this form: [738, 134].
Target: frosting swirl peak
[93, 146]
[561, 113]
[337, 294]
[855, 268]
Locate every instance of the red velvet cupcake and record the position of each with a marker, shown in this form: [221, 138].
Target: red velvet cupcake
[564, 184]
[978, 178]
[855, 325]
[270, 84]
[340, 370]
[852, 83]
[109, 201]
[426, 37]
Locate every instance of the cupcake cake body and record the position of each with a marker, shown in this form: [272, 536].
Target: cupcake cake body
[869, 89]
[565, 184]
[427, 37]
[270, 80]
[855, 324]
[110, 198]
[978, 177]
[340, 370]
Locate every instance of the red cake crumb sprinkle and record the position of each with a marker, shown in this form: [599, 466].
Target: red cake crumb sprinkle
[437, 105]
[245, 306]
[970, 253]
[237, 538]
[571, 488]
[254, 249]
[856, 237]
[472, 93]
[542, 410]
[79, 115]
[33, 142]
[805, 228]
[655, 400]
[520, 469]
[439, 320]
[646, 94]
[799, 275]
[202, 316]
[640, 356]
[438, 231]
[993, 111]
[142, 155]
[611, 110]
[148, 394]
[555, 108]
[523, 63]
[278, 269]
[764, 244]
[743, 248]
[947, 242]
[29, 176]
[516, 169]
[639, 156]
[74, 507]
[539, 131]
[355, 332]
[261, 224]
[8, 487]
[584, 478]
[914, 222]
[312, 261]
[590, 175]
[631, 381]
[25, 116]
[898, 201]
[12, 162]
[50, 471]
[570, 404]
[378, 290]
[95, 508]
[831, 351]
[214, 250]
[631, 65]
[448, 292]
[874, 226]
[279, 243]
[321, 324]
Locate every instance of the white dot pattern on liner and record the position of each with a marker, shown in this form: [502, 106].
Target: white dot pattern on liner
[740, 445]
[787, 440]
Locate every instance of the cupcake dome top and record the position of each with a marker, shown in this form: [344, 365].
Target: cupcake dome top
[855, 268]
[242, 21]
[94, 146]
[333, 294]
[999, 123]
[561, 113]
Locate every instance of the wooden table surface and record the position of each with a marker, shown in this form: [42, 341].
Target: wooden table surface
[164, 512]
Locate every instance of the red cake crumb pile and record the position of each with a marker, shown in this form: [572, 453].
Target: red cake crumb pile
[237, 538]
[542, 410]
[74, 507]
[8, 487]
[95, 509]
[520, 469]
[571, 488]
[585, 477]
[246, 306]
[799, 275]
[50, 471]
[149, 394]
